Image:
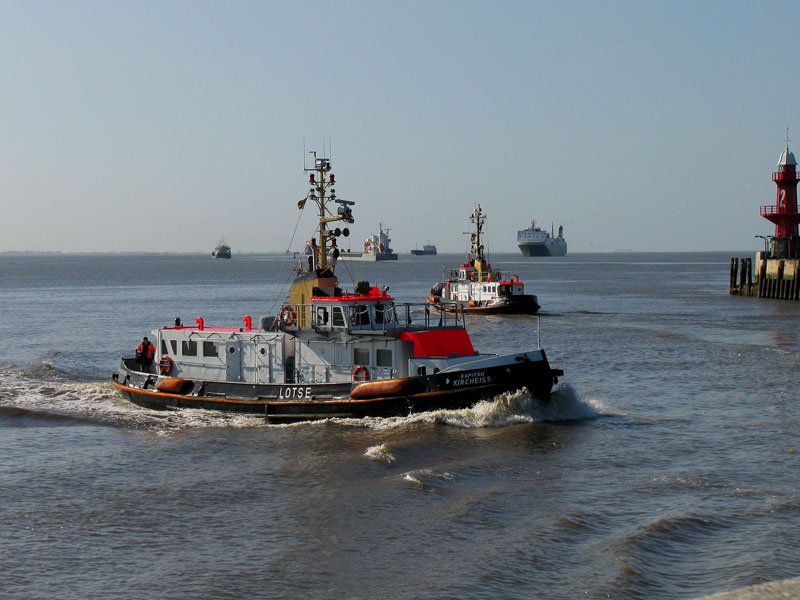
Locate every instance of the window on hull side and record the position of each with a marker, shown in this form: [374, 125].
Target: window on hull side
[361, 356]
[383, 357]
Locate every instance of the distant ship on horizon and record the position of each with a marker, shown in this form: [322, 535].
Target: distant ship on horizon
[222, 250]
[376, 247]
[534, 241]
[427, 249]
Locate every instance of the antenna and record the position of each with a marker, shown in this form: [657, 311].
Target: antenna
[787, 136]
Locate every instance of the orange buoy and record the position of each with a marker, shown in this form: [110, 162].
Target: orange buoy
[171, 385]
[381, 387]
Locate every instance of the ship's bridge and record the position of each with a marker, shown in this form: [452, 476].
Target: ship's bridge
[371, 310]
[353, 312]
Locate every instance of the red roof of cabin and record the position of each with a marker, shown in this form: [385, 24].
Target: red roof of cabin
[374, 295]
[439, 342]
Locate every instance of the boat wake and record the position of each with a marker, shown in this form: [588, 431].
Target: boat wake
[510, 408]
[41, 393]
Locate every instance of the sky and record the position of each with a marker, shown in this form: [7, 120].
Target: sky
[165, 126]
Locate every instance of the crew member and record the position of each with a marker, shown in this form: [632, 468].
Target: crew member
[334, 255]
[145, 354]
[311, 251]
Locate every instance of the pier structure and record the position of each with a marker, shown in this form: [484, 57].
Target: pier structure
[775, 272]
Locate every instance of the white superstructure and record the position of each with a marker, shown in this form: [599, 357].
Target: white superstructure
[534, 241]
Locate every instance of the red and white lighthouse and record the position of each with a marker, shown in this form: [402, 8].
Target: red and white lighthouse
[785, 242]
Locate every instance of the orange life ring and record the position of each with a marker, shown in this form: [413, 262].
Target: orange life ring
[165, 365]
[288, 316]
[361, 373]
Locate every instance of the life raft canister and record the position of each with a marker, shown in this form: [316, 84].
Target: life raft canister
[165, 365]
[361, 373]
[288, 316]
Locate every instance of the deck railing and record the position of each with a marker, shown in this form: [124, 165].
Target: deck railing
[369, 317]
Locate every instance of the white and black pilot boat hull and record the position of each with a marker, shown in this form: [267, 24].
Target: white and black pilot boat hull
[455, 388]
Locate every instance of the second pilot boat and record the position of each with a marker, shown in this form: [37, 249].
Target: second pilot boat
[476, 287]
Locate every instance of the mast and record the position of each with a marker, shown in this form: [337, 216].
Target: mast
[322, 193]
[478, 219]
[317, 277]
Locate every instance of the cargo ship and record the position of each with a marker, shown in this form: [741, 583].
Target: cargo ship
[376, 247]
[534, 241]
[427, 250]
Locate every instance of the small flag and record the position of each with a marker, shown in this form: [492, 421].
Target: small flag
[302, 203]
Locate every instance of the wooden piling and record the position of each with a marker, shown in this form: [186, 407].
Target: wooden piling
[775, 278]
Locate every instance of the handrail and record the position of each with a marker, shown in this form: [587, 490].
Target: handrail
[367, 317]
[771, 209]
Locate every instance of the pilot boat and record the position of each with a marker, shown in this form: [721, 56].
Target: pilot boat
[478, 288]
[329, 352]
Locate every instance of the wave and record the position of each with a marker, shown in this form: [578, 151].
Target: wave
[380, 453]
[425, 480]
[42, 393]
[503, 410]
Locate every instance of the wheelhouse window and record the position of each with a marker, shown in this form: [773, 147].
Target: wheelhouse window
[189, 348]
[360, 314]
[384, 313]
[337, 317]
[322, 316]
[174, 344]
[210, 349]
[379, 313]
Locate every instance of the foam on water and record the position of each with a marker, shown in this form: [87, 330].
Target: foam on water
[42, 390]
[380, 453]
[426, 479]
[509, 408]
